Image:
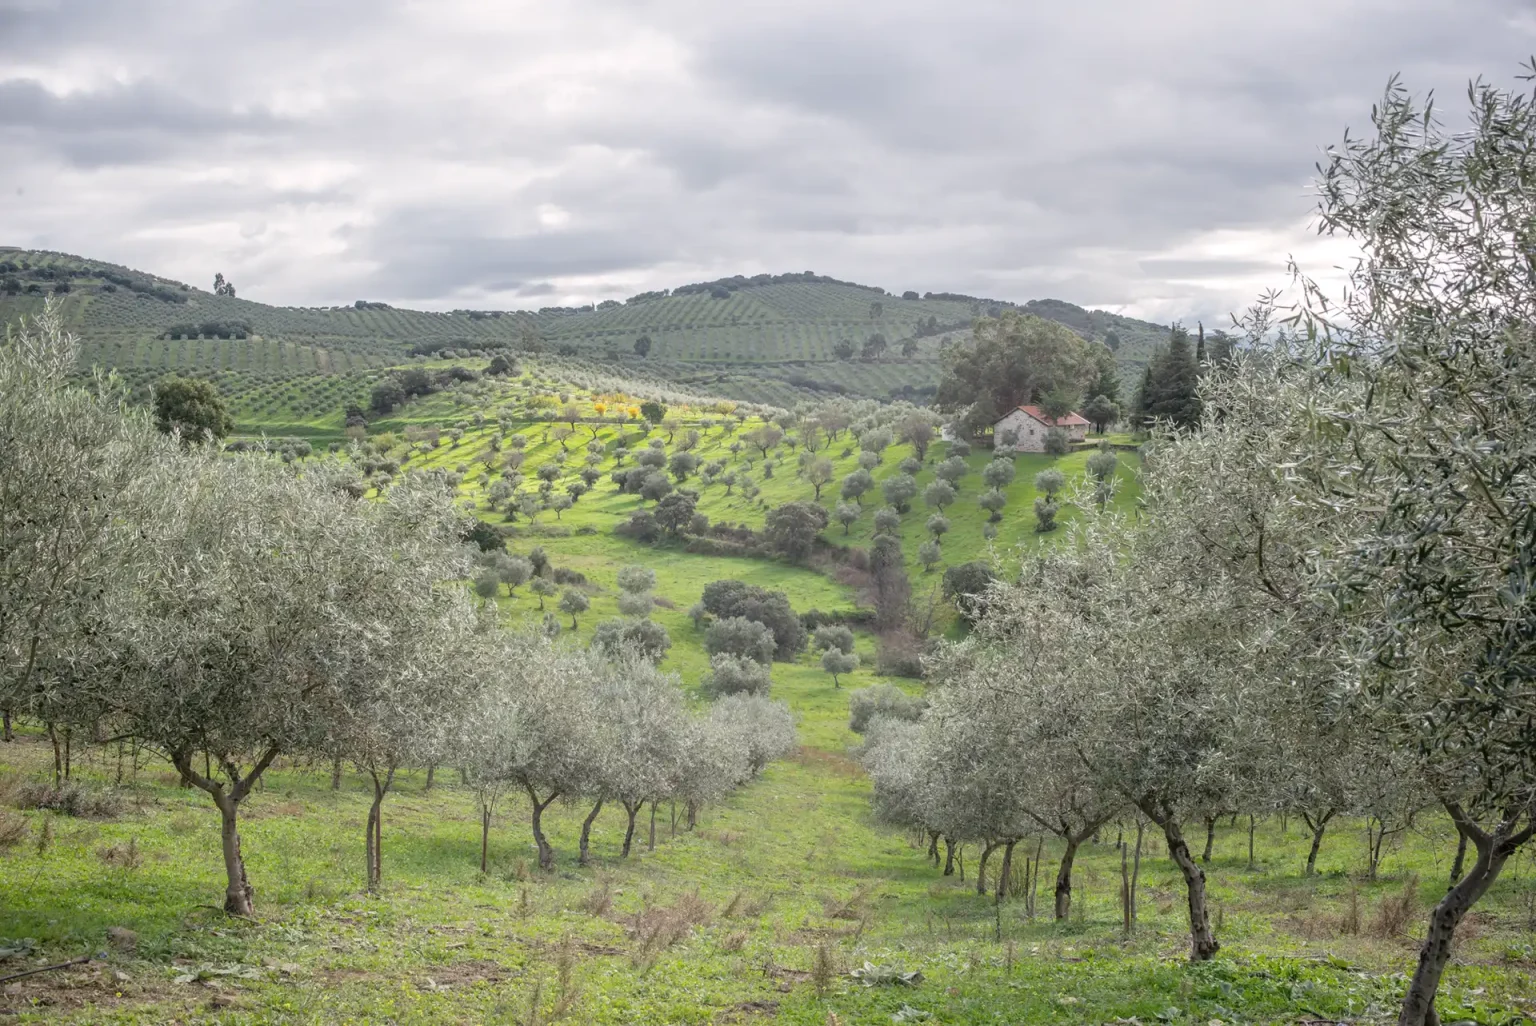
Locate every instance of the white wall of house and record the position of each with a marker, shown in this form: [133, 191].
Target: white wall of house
[1029, 432]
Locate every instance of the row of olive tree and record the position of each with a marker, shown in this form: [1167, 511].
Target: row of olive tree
[1330, 579]
[229, 611]
[595, 727]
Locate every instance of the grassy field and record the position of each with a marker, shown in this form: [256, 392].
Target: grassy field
[761, 912]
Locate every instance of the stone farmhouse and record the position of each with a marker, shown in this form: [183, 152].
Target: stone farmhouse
[1029, 425]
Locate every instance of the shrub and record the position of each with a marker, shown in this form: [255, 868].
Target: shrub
[645, 637]
[833, 636]
[770, 608]
[740, 637]
[734, 675]
[792, 528]
[887, 521]
[70, 798]
[1045, 515]
[966, 586]
[882, 700]
[1056, 442]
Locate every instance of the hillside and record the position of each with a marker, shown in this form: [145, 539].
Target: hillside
[767, 339]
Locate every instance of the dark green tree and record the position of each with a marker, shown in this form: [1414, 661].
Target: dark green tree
[653, 411]
[192, 406]
[643, 346]
[1168, 390]
[1014, 359]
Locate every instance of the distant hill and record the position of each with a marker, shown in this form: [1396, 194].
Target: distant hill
[767, 339]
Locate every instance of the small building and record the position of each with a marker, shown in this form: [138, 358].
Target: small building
[1029, 425]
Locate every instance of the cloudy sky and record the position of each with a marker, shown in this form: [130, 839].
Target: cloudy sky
[1152, 158]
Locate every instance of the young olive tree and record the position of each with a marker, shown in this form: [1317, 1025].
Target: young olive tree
[266, 608]
[638, 753]
[534, 729]
[405, 700]
[70, 460]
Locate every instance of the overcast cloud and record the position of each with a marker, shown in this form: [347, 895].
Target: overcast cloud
[1150, 158]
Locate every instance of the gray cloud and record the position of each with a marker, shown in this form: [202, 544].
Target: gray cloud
[1148, 158]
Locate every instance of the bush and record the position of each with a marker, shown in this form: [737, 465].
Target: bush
[647, 638]
[833, 636]
[882, 700]
[770, 608]
[734, 675]
[641, 526]
[1056, 442]
[793, 527]
[966, 586]
[70, 798]
[740, 637]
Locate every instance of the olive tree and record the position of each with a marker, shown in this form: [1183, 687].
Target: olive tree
[640, 725]
[764, 729]
[70, 460]
[533, 729]
[404, 701]
[267, 606]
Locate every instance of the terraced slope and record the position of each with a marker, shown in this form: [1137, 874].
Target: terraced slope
[764, 339]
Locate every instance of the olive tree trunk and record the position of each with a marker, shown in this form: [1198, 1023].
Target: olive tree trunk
[546, 853]
[239, 896]
[631, 809]
[949, 856]
[1064, 878]
[981, 866]
[1493, 850]
[1001, 890]
[1317, 826]
[586, 832]
[1202, 942]
[381, 786]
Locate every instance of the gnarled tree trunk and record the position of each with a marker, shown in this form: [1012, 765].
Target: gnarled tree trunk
[546, 853]
[238, 894]
[981, 866]
[1317, 826]
[1493, 850]
[1064, 878]
[1001, 890]
[1210, 839]
[949, 856]
[631, 810]
[586, 832]
[1202, 942]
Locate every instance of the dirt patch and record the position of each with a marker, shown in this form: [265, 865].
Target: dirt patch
[67, 990]
[829, 761]
[748, 1011]
[461, 974]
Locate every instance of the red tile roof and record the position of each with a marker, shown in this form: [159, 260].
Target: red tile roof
[1070, 420]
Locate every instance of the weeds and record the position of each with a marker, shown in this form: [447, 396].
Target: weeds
[599, 900]
[1396, 911]
[70, 798]
[125, 855]
[822, 970]
[13, 830]
[658, 928]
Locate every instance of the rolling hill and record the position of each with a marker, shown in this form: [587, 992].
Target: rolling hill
[768, 339]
